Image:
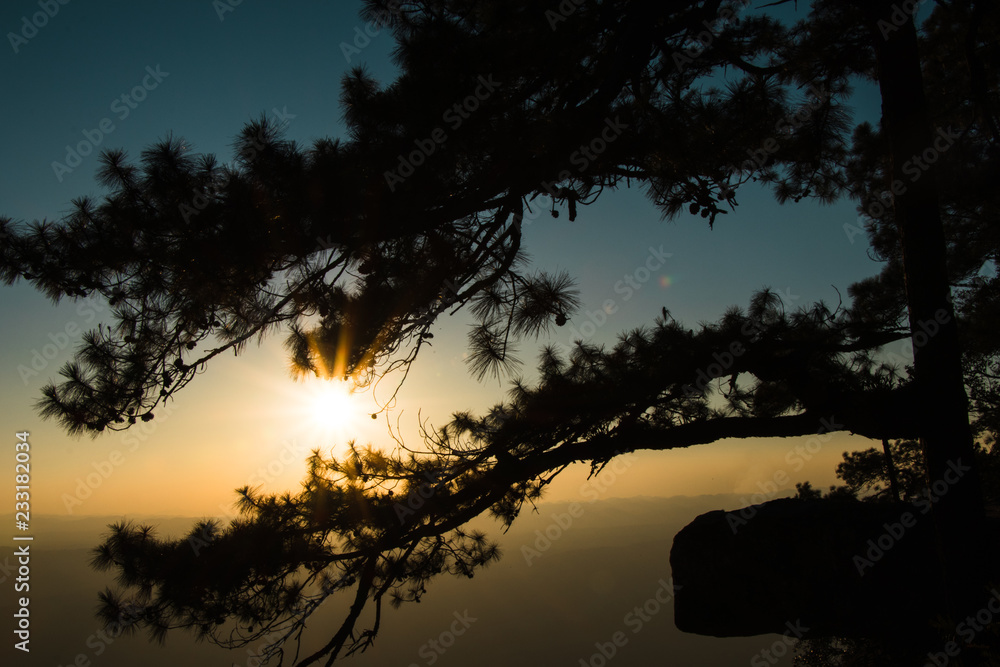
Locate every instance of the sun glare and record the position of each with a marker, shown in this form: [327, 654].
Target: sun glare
[329, 408]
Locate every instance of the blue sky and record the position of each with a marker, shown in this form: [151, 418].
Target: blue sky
[220, 66]
[196, 71]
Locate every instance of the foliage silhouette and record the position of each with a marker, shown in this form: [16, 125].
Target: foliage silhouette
[355, 250]
[867, 478]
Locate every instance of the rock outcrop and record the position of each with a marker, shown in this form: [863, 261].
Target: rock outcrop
[838, 568]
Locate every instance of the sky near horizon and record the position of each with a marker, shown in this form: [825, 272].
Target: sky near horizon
[123, 75]
[608, 560]
[115, 74]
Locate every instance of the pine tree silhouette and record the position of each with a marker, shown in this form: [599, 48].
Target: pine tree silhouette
[419, 211]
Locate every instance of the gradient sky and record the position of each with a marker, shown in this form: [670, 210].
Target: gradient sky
[610, 559]
[241, 422]
[246, 422]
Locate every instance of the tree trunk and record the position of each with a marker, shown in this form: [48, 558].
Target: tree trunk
[946, 438]
[890, 470]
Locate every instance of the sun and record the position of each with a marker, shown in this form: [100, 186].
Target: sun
[325, 413]
[328, 407]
